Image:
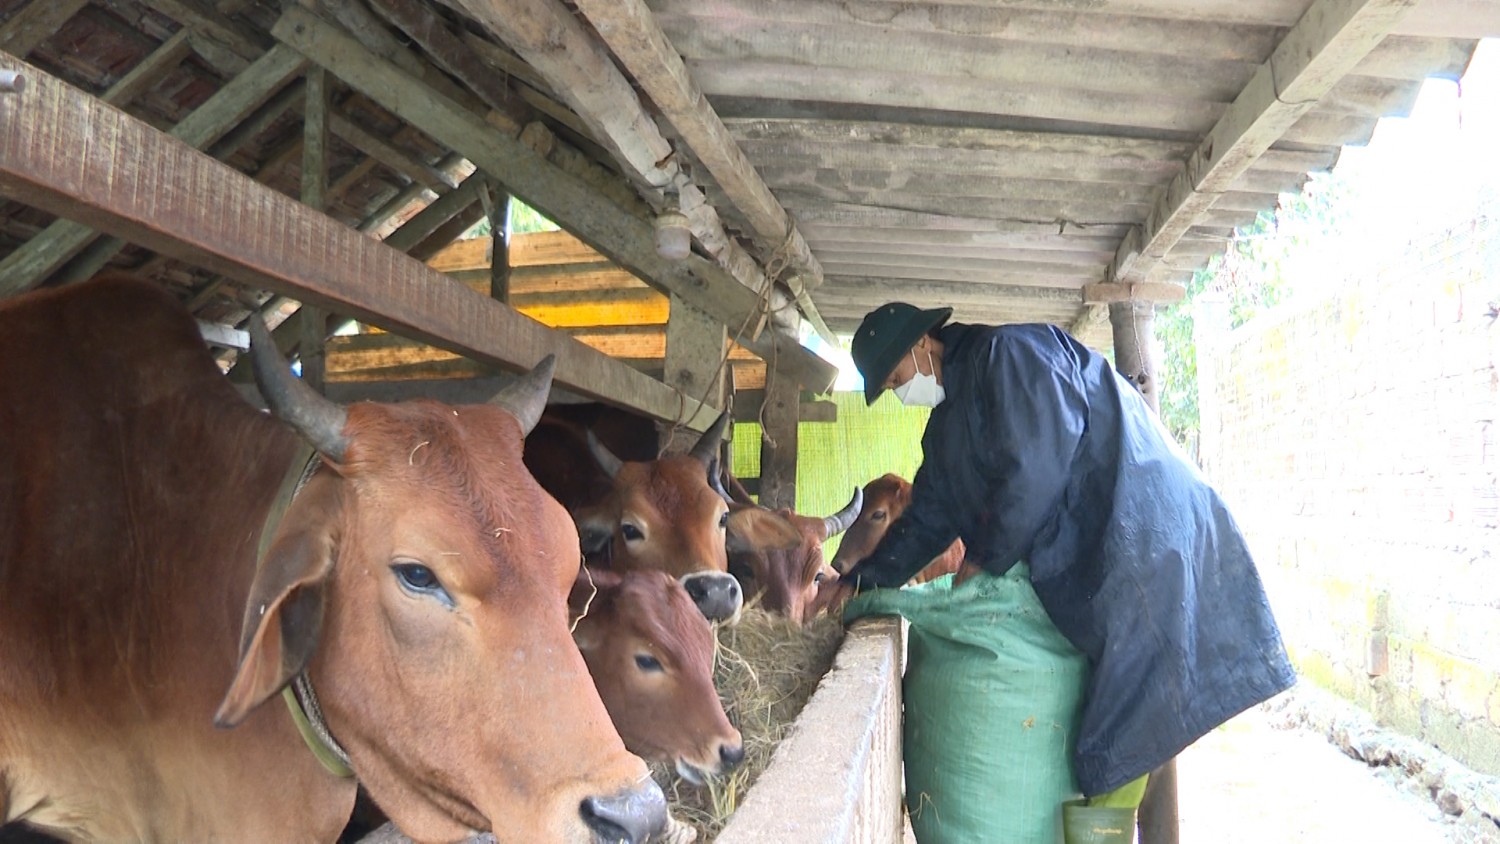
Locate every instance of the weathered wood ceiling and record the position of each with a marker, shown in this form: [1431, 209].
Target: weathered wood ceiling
[1021, 161]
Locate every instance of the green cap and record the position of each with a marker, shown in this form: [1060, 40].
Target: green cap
[887, 333]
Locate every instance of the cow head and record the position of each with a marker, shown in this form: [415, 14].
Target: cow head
[788, 580]
[665, 515]
[886, 498]
[651, 653]
[420, 579]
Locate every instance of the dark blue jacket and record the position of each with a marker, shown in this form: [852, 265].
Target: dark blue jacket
[1042, 453]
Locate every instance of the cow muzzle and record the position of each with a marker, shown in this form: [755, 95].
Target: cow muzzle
[633, 816]
[717, 595]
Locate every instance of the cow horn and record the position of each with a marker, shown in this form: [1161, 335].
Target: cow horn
[318, 420]
[840, 521]
[526, 397]
[607, 459]
[717, 483]
[707, 446]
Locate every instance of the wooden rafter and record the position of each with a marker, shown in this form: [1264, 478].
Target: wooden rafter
[1329, 40]
[585, 75]
[169, 197]
[632, 34]
[562, 196]
[36, 23]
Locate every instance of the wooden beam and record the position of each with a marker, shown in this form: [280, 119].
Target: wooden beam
[1329, 40]
[166, 196]
[499, 208]
[388, 154]
[562, 196]
[747, 408]
[1111, 292]
[440, 211]
[55, 245]
[148, 71]
[313, 321]
[28, 28]
[634, 37]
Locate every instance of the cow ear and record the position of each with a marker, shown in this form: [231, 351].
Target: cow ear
[759, 529]
[589, 583]
[595, 529]
[284, 614]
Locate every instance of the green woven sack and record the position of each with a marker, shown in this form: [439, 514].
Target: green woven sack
[992, 698]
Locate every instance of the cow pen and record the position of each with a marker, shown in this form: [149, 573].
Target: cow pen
[724, 188]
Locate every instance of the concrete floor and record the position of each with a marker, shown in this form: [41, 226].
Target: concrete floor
[1257, 781]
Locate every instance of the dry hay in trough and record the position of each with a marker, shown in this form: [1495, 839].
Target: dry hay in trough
[765, 669]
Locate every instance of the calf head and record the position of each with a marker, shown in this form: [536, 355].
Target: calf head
[651, 654]
[886, 499]
[664, 515]
[788, 580]
[420, 580]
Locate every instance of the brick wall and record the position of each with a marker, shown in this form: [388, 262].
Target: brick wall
[1356, 440]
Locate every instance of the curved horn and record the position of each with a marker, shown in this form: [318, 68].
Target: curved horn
[318, 420]
[840, 521]
[708, 445]
[717, 483]
[607, 459]
[526, 397]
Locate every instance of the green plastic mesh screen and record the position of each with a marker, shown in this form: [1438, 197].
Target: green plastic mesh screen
[834, 458]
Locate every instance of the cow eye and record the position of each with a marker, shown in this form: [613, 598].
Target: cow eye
[420, 580]
[818, 578]
[724, 521]
[647, 662]
[877, 516]
[631, 532]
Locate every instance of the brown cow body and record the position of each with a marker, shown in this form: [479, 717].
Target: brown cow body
[658, 512]
[651, 654]
[886, 498]
[134, 486]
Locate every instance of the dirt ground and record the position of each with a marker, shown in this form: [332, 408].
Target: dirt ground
[1257, 780]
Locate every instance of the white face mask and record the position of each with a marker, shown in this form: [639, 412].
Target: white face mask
[922, 390]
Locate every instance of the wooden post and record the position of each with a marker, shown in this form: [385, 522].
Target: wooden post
[1134, 341]
[313, 320]
[778, 444]
[1132, 321]
[695, 348]
[499, 210]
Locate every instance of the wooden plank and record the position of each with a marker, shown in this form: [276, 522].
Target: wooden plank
[632, 33]
[1326, 43]
[1082, 210]
[528, 249]
[747, 408]
[845, 214]
[881, 186]
[436, 214]
[695, 356]
[886, 46]
[170, 198]
[43, 254]
[28, 28]
[313, 184]
[1116, 150]
[1057, 24]
[978, 279]
[560, 195]
[366, 352]
[919, 161]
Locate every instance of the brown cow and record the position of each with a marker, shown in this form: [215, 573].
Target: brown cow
[886, 498]
[788, 580]
[646, 511]
[418, 578]
[651, 653]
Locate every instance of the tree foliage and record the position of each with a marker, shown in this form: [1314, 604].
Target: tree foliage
[1304, 239]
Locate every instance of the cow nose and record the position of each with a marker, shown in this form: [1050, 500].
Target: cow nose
[717, 594]
[632, 816]
[731, 755]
